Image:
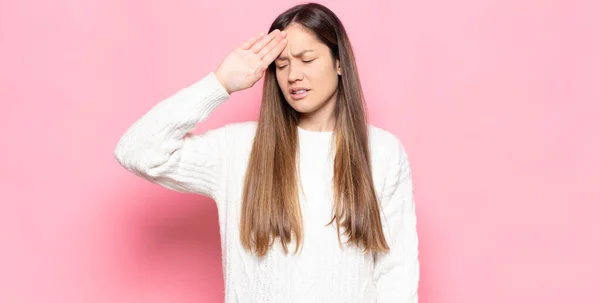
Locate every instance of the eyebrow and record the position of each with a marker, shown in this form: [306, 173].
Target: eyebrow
[295, 55]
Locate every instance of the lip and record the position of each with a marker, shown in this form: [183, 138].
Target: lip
[298, 88]
[298, 96]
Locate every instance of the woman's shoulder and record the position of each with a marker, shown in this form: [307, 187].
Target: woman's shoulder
[242, 128]
[381, 137]
[233, 136]
[384, 144]
[239, 133]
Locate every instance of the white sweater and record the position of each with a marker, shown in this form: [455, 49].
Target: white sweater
[160, 148]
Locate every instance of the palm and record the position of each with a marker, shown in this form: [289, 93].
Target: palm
[242, 66]
[245, 65]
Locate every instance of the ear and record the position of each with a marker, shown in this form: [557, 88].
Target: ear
[338, 67]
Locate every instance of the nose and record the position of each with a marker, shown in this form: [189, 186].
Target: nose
[295, 72]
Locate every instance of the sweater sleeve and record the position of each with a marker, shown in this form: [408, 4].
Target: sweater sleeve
[397, 272]
[160, 148]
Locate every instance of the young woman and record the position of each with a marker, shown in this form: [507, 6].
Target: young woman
[314, 203]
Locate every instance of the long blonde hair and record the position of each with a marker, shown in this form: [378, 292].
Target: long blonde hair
[270, 206]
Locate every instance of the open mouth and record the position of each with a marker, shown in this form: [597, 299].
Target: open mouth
[297, 94]
[299, 91]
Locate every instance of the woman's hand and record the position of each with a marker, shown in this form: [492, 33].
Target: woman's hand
[246, 64]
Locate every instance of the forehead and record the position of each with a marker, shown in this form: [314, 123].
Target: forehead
[300, 39]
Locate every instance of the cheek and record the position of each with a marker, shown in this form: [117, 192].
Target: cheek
[325, 75]
[323, 72]
[281, 78]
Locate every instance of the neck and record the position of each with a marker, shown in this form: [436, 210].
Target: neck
[317, 125]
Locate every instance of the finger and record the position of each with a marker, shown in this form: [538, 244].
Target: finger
[274, 53]
[265, 50]
[250, 42]
[264, 41]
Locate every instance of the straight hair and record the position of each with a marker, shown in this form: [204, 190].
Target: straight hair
[270, 203]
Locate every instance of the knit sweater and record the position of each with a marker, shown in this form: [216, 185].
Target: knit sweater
[160, 147]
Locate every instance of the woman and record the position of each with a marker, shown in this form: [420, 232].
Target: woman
[314, 203]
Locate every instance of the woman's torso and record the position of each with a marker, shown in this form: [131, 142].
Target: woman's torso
[324, 271]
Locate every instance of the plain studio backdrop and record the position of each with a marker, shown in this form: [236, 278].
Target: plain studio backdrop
[496, 101]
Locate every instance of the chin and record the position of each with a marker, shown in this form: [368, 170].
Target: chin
[302, 108]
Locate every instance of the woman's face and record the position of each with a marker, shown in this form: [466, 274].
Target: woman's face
[307, 73]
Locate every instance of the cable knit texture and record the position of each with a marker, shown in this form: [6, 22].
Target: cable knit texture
[160, 148]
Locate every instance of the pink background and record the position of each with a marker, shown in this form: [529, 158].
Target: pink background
[497, 102]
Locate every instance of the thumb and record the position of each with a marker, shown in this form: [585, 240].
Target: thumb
[260, 70]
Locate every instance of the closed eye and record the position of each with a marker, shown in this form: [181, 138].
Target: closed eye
[305, 61]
